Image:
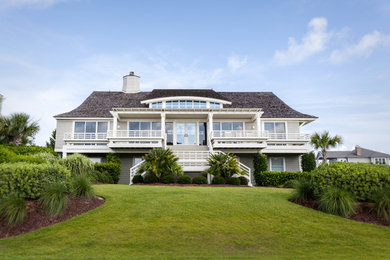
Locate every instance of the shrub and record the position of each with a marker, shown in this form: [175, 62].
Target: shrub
[47, 157]
[200, 179]
[113, 169]
[233, 181]
[150, 178]
[260, 165]
[160, 162]
[28, 150]
[54, 198]
[225, 165]
[217, 180]
[360, 179]
[308, 162]
[138, 179]
[78, 164]
[167, 179]
[382, 203]
[303, 190]
[184, 179]
[243, 180]
[337, 202]
[279, 178]
[9, 156]
[28, 180]
[103, 177]
[113, 158]
[13, 209]
[81, 186]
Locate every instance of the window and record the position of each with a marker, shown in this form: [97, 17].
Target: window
[169, 132]
[277, 164]
[215, 105]
[228, 126]
[182, 104]
[380, 160]
[202, 133]
[277, 130]
[135, 126]
[157, 105]
[90, 130]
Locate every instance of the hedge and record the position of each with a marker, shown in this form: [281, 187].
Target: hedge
[114, 169]
[27, 150]
[8, 156]
[279, 178]
[361, 179]
[28, 179]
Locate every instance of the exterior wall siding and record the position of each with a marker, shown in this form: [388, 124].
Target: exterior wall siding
[292, 127]
[63, 126]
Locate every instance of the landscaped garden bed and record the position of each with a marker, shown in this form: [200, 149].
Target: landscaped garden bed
[364, 212]
[37, 217]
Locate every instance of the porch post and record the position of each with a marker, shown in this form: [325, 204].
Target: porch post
[114, 125]
[209, 130]
[64, 152]
[163, 130]
[258, 125]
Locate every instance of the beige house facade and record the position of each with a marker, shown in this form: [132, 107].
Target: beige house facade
[193, 123]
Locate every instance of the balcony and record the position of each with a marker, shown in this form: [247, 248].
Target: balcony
[135, 138]
[84, 136]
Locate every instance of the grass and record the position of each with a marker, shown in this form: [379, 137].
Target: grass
[202, 222]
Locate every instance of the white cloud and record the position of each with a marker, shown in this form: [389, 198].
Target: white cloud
[236, 62]
[312, 43]
[363, 48]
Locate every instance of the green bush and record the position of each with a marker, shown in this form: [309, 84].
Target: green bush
[361, 179]
[54, 198]
[27, 150]
[47, 157]
[223, 164]
[308, 162]
[279, 178]
[184, 179]
[303, 190]
[28, 179]
[382, 203]
[200, 179]
[243, 180]
[218, 180]
[167, 179]
[13, 209]
[113, 169]
[337, 202]
[103, 177]
[78, 164]
[113, 158]
[160, 162]
[138, 179]
[150, 178]
[9, 156]
[260, 165]
[81, 186]
[233, 181]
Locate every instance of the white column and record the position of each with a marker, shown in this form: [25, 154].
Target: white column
[258, 124]
[115, 125]
[209, 130]
[64, 153]
[163, 130]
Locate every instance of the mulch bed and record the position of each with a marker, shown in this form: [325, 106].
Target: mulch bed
[192, 185]
[364, 213]
[37, 218]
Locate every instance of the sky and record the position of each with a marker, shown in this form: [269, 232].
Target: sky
[330, 59]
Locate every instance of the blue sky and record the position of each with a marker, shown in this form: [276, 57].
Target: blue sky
[330, 59]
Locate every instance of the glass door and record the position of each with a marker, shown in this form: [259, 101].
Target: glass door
[186, 133]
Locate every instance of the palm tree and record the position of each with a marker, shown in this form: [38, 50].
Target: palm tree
[17, 129]
[52, 140]
[224, 165]
[160, 162]
[324, 141]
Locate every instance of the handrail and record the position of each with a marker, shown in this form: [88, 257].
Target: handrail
[85, 136]
[258, 134]
[135, 134]
[133, 171]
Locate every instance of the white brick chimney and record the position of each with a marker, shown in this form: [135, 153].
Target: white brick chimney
[131, 83]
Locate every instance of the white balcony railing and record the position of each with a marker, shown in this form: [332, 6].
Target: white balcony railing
[287, 136]
[250, 134]
[144, 134]
[85, 136]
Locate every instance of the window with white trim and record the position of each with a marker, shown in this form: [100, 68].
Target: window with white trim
[380, 160]
[215, 105]
[185, 104]
[276, 130]
[139, 125]
[90, 130]
[157, 105]
[277, 164]
[228, 126]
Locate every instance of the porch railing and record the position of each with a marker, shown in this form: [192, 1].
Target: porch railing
[226, 134]
[135, 134]
[85, 136]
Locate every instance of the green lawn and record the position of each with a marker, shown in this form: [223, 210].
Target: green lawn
[166, 222]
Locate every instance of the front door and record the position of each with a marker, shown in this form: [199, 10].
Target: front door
[186, 133]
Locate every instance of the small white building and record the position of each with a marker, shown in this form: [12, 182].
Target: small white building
[357, 155]
[193, 123]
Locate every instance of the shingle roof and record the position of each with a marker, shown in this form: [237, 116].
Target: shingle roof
[366, 153]
[98, 104]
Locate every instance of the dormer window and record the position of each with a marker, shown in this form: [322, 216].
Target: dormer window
[157, 105]
[215, 105]
[186, 102]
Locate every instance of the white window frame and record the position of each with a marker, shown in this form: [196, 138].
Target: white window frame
[270, 163]
[380, 159]
[89, 121]
[285, 125]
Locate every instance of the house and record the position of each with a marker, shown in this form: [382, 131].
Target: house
[358, 154]
[193, 123]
